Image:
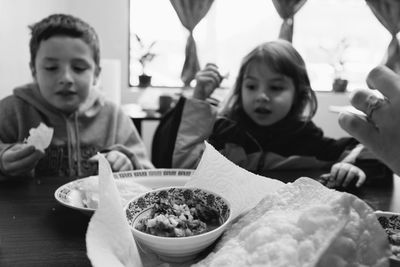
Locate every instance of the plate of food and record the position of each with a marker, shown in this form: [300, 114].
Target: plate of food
[390, 221]
[83, 194]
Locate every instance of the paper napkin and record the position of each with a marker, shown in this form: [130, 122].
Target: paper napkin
[242, 188]
[109, 241]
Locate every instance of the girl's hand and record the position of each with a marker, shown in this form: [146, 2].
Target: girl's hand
[119, 161]
[343, 173]
[207, 80]
[20, 159]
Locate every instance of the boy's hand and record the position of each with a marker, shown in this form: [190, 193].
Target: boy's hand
[119, 161]
[342, 174]
[20, 159]
[206, 81]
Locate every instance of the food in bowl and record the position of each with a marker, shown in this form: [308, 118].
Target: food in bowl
[178, 215]
[191, 219]
[390, 222]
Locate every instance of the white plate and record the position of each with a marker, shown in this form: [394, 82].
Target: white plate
[70, 194]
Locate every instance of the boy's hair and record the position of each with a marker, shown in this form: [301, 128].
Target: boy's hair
[282, 57]
[63, 25]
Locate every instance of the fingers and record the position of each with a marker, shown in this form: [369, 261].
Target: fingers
[344, 174]
[20, 151]
[361, 178]
[210, 75]
[20, 159]
[360, 128]
[136, 163]
[338, 172]
[385, 80]
[119, 161]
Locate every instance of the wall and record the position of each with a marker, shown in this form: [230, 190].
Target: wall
[108, 17]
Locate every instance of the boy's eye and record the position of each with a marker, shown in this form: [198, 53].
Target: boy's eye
[80, 68]
[50, 68]
[79, 65]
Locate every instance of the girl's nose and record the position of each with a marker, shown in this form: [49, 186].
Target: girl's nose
[263, 96]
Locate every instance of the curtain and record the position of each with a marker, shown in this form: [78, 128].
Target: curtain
[388, 13]
[286, 10]
[190, 13]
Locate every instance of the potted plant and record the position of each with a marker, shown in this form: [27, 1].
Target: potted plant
[338, 61]
[145, 56]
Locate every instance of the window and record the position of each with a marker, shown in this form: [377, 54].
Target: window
[233, 27]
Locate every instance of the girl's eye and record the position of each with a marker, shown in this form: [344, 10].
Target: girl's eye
[277, 88]
[250, 86]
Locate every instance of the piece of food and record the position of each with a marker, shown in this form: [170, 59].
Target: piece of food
[304, 224]
[89, 189]
[40, 137]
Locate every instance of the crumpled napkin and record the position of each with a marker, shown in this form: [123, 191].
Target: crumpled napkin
[109, 241]
[242, 188]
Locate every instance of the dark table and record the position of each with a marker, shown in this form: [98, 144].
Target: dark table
[37, 231]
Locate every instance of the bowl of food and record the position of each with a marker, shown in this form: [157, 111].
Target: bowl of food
[390, 221]
[177, 223]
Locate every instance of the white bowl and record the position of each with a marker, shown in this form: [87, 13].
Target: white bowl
[390, 221]
[177, 249]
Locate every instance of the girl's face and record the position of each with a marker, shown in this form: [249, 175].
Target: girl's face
[267, 96]
[65, 71]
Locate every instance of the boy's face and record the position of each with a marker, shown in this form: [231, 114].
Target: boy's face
[65, 71]
[267, 96]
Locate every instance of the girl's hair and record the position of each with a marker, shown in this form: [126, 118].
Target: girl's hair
[283, 58]
[63, 25]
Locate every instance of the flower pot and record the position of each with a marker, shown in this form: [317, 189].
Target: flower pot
[144, 80]
[339, 85]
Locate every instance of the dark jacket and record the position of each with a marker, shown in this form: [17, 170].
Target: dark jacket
[286, 145]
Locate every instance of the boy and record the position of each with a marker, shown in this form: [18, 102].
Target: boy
[65, 58]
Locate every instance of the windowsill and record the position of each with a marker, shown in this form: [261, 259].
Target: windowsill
[148, 97]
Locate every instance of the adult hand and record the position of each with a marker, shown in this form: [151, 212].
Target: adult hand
[207, 80]
[379, 129]
[119, 161]
[20, 159]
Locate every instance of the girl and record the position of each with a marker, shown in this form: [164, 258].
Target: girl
[265, 123]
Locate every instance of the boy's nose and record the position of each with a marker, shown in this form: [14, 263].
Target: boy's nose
[66, 76]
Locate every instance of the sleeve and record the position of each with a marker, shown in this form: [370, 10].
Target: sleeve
[349, 150]
[376, 171]
[129, 142]
[197, 122]
[311, 138]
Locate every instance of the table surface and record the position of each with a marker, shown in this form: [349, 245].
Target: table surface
[35, 230]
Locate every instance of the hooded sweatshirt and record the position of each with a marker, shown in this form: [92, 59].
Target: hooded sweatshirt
[98, 126]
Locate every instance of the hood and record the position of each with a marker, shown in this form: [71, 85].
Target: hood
[31, 94]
